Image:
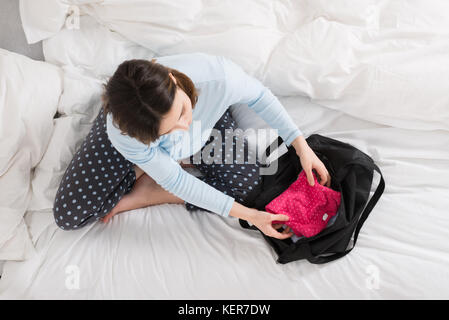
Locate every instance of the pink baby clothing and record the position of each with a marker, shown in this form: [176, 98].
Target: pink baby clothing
[308, 207]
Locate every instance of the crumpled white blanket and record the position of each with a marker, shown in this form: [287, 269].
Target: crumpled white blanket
[375, 75]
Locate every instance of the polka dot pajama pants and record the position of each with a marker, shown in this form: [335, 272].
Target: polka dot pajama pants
[94, 182]
[239, 174]
[98, 176]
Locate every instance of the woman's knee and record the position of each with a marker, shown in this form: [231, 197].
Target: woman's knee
[68, 213]
[62, 221]
[68, 220]
[65, 218]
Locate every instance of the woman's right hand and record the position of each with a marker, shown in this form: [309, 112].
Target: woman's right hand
[264, 222]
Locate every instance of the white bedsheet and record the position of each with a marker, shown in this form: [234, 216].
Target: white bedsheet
[164, 252]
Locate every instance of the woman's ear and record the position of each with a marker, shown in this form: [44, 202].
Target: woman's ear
[173, 78]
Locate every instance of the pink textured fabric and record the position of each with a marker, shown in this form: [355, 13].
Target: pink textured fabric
[309, 207]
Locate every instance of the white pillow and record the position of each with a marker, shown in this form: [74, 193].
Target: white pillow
[163, 27]
[79, 105]
[395, 76]
[92, 47]
[82, 93]
[29, 96]
[42, 19]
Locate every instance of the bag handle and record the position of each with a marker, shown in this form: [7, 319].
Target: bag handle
[246, 225]
[366, 211]
[273, 146]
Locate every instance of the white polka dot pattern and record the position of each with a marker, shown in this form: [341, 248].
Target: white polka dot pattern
[308, 207]
[94, 181]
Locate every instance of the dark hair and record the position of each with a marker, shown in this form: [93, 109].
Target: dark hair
[140, 93]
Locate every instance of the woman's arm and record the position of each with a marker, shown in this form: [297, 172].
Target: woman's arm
[310, 161]
[242, 88]
[168, 173]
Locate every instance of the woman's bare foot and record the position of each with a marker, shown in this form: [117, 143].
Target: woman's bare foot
[145, 192]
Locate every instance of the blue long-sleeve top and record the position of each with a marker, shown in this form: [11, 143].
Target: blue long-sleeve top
[221, 83]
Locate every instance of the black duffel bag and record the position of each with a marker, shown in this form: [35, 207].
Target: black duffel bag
[351, 172]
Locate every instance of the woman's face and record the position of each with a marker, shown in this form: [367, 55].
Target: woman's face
[180, 115]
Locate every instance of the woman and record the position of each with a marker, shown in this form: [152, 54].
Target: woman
[148, 123]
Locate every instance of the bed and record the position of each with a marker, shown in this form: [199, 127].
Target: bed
[372, 74]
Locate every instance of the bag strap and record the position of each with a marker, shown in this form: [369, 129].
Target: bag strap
[366, 211]
[246, 225]
[272, 147]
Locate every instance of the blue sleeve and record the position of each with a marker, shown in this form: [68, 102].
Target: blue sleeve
[245, 89]
[168, 173]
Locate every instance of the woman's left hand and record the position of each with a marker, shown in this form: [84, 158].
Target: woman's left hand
[310, 161]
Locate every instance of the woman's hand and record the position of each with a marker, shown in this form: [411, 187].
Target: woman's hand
[264, 222]
[310, 161]
[261, 219]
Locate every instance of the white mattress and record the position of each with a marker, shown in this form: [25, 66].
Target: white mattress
[165, 252]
